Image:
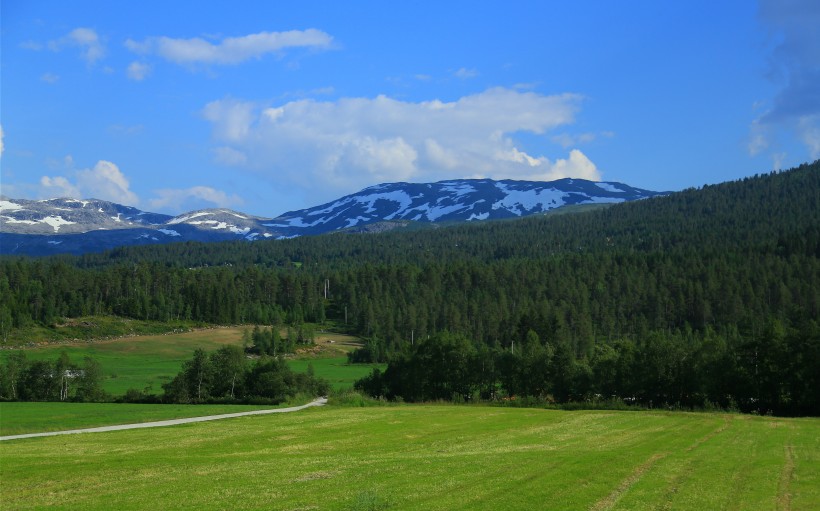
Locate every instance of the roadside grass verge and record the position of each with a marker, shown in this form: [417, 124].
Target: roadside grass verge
[426, 457]
[18, 418]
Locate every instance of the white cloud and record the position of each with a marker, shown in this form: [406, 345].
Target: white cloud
[329, 147]
[105, 181]
[232, 119]
[58, 187]
[795, 61]
[197, 197]
[92, 48]
[138, 70]
[777, 161]
[230, 156]
[808, 128]
[231, 50]
[465, 73]
[50, 78]
[566, 140]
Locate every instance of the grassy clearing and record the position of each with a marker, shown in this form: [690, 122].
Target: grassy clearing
[149, 361]
[139, 362]
[427, 458]
[336, 370]
[18, 418]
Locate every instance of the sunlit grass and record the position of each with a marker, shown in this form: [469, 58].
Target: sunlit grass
[427, 457]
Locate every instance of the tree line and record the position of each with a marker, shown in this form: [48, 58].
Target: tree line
[57, 380]
[774, 373]
[227, 375]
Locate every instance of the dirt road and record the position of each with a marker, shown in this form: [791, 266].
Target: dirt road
[173, 422]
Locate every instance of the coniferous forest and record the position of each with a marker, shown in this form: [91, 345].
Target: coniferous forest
[706, 297]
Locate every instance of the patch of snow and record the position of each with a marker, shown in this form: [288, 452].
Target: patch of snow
[185, 218]
[609, 187]
[75, 201]
[355, 221]
[457, 188]
[603, 200]
[10, 206]
[398, 196]
[237, 230]
[169, 232]
[56, 222]
[287, 237]
[522, 201]
[100, 210]
[117, 218]
[267, 235]
[11, 220]
[437, 212]
[296, 222]
[54, 242]
[479, 216]
[252, 236]
[237, 215]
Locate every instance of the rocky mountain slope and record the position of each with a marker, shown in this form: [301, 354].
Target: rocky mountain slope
[79, 226]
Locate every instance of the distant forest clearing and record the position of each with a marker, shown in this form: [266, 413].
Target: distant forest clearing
[148, 361]
[427, 458]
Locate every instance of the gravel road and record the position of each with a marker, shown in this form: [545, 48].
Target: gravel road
[173, 422]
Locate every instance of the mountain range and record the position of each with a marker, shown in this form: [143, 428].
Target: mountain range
[53, 226]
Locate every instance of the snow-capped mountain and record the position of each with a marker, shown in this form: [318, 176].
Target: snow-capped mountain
[460, 200]
[79, 226]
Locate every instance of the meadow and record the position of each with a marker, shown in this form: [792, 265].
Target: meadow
[427, 457]
[19, 417]
[146, 362]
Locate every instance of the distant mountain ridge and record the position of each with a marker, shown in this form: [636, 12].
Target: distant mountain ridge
[55, 226]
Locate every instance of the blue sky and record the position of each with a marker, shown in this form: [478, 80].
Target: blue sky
[267, 107]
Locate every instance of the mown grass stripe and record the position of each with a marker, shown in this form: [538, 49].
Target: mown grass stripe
[609, 502]
[784, 497]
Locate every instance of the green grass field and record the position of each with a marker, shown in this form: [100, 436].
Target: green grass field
[149, 361]
[427, 458]
[336, 370]
[17, 418]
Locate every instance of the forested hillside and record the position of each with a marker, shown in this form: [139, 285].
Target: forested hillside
[707, 295]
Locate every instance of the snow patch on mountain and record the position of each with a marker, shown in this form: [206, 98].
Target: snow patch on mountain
[187, 218]
[56, 222]
[609, 187]
[9, 206]
[521, 202]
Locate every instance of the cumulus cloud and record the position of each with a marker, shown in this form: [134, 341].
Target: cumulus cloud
[59, 186]
[341, 146]
[231, 118]
[795, 63]
[104, 181]
[230, 50]
[138, 71]
[91, 46]
[197, 197]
